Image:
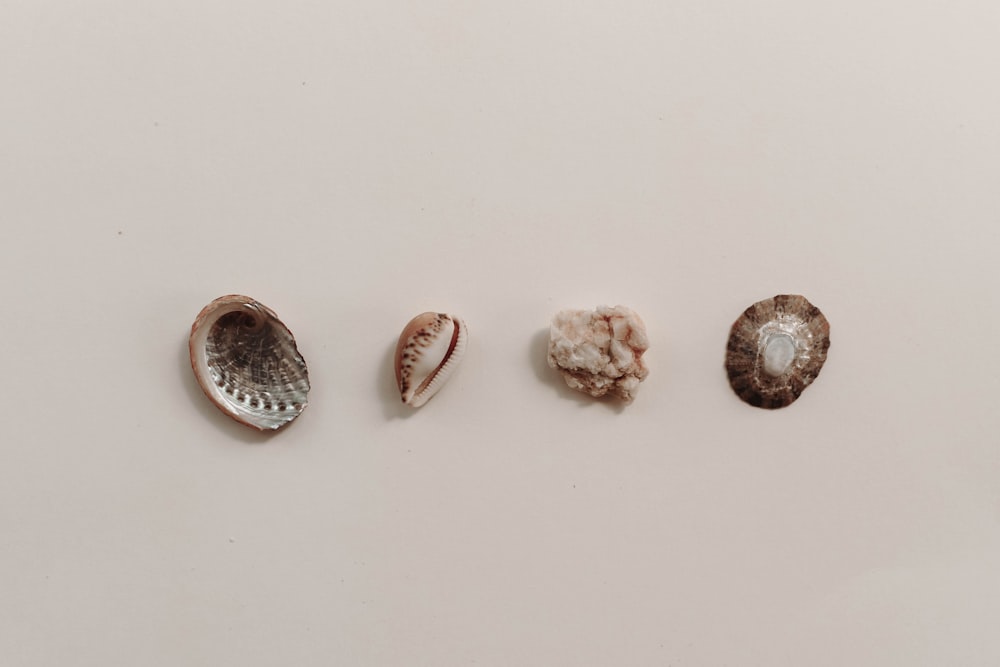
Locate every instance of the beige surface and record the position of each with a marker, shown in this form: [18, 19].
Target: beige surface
[352, 164]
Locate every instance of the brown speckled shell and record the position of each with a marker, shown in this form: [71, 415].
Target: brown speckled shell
[789, 314]
[429, 349]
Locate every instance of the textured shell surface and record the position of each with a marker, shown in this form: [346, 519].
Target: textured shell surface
[246, 361]
[776, 349]
[429, 349]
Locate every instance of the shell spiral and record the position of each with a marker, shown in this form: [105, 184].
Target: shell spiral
[246, 361]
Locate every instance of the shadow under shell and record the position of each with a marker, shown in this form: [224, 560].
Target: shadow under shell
[776, 349]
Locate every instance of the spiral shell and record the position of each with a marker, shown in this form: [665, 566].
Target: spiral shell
[246, 362]
[429, 349]
[776, 349]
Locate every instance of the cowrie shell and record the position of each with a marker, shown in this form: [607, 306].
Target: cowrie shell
[429, 349]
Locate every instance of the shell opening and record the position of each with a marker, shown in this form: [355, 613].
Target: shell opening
[247, 363]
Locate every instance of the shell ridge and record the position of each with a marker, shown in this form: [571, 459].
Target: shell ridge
[443, 370]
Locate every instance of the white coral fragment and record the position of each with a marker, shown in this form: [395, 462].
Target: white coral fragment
[600, 351]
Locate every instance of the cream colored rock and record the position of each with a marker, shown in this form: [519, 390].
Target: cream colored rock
[600, 351]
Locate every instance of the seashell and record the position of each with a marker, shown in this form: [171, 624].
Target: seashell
[429, 349]
[247, 364]
[600, 352]
[776, 349]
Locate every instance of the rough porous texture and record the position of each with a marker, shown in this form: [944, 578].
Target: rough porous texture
[600, 351]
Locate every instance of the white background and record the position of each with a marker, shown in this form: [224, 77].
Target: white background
[353, 164]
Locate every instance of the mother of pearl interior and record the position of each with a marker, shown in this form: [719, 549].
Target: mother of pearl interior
[779, 352]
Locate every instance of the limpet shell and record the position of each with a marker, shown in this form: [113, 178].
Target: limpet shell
[776, 349]
[429, 349]
[246, 362]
